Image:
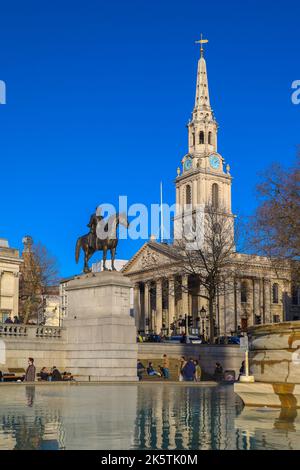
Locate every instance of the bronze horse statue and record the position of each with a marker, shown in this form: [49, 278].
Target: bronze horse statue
[108, 242]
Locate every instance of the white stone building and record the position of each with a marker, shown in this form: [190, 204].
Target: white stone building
[10, 262]
[258, 295]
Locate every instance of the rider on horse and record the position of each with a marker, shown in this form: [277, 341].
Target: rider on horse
[94, 219]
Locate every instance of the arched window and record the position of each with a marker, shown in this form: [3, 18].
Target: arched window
[215, 196]
[201, 137]
[193, 139]
[210, 138]
[275, 293]
[188, 195]
[244, 292]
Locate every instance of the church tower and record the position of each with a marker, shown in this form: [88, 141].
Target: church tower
[202, 179]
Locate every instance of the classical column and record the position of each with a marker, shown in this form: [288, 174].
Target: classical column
[16, 294]
[267, 301]
[221, 302]
[146, 306]
[238, 302]
[171, 301]
[194, 193]
[137, 307]
[185, 295]
[158, 320]
[256, 299]
[230, 310]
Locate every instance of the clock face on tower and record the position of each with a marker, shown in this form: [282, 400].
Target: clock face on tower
[187, 164]
[214, 161]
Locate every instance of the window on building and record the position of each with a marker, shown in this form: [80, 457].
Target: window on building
[276, 318]
[188, 195]
[275, 293]
[215, 196]
[193, 139]
[201, 137]
[210, 138]
[244, 292]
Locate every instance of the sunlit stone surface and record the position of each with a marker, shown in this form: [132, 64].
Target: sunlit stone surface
[275, 364]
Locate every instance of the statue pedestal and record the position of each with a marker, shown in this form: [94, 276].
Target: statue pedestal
[100, 333]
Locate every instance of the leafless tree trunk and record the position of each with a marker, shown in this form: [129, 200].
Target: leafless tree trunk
[38, 272]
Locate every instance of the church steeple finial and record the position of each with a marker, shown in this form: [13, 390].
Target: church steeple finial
[201, 41]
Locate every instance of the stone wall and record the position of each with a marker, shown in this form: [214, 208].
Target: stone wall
[45, 344]
[229, 356]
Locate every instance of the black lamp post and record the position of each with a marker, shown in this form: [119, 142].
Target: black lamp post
[202, 314]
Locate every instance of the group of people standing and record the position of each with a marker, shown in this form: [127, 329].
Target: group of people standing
[189, 370]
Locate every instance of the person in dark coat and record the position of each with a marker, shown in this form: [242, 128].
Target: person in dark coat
[218, 375]
[30, 371]
[56, 375]
[189, 370]
[44, 375]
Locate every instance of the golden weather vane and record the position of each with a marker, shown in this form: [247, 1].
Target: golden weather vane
[201, 42]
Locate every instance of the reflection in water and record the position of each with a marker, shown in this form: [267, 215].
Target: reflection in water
[146, 416]
[30, 394]
[269, 428]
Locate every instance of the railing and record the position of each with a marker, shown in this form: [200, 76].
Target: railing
[13, 330]
[9, 330]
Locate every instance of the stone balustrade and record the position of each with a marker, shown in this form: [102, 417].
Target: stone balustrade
[9, 330]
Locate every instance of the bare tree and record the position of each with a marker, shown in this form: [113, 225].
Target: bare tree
[276, 222]
[38, 272]
[209, 260]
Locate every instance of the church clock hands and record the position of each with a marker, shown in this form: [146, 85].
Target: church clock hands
[214, 161]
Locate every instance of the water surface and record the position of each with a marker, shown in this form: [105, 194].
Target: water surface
[145, 416]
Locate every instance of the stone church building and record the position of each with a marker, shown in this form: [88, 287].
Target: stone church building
[257, 295]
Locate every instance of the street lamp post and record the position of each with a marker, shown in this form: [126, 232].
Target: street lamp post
[202, 314]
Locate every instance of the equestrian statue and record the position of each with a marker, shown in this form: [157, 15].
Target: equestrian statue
[107, 241]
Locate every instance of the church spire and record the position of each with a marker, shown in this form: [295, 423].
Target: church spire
[202, 91]
[203, 126]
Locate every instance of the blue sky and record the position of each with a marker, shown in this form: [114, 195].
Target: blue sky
[99, 93]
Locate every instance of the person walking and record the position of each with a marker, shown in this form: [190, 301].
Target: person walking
[198, 371]
[30, 371]
[166, 367]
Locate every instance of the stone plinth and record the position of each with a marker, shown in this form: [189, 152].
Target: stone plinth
[275, 364]
[100, 333]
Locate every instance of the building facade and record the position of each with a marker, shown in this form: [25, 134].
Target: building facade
[10, 262]
[259, 294]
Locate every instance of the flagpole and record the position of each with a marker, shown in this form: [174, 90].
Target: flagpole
[161, 214]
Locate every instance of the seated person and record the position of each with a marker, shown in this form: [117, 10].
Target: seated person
[218, 375]
[151, 372]
[140, 369]
[56, 375]
[67, 376]
[44, 374]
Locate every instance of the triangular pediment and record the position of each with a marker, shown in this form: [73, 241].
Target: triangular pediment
[150, 256]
